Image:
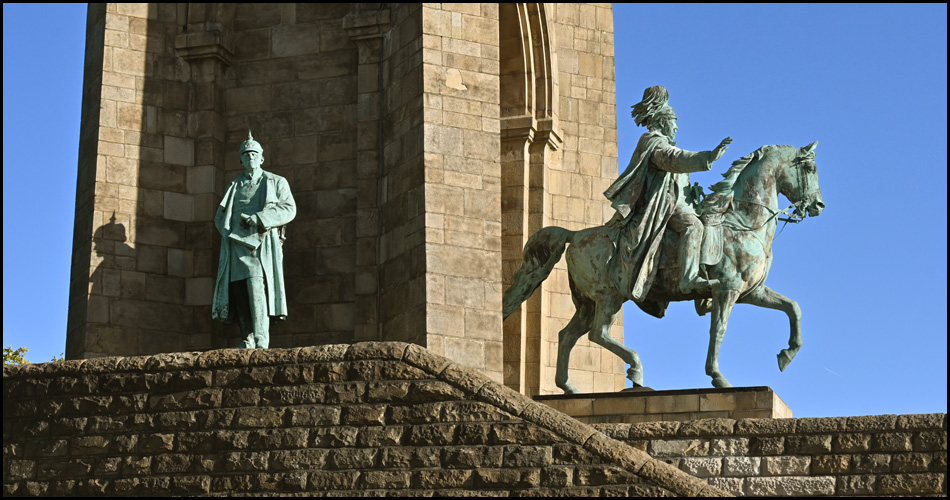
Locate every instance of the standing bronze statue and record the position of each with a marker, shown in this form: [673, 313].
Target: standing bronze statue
[651, 250]
[251, 219]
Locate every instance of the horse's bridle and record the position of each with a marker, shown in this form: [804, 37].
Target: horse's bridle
[801, 210]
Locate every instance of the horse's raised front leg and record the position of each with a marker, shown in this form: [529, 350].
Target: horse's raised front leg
[723, 302]
[604, 317]
[766, 297]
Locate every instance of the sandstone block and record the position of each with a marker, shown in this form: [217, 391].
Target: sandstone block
[472, 457]
[911, 484]
[786, 466]
[385, 480]
[438, 479]
[872, 463]
[527, 456]
[852, 443]
[661, 448]
[432, 435]
[931, 441]
[701, 467]
[790, 486]
[856, 485]
[831, 464]
[892, 441]
[741, 466]
[353, 458]
[806, 445]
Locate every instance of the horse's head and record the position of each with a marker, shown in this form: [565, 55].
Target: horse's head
[799, 183]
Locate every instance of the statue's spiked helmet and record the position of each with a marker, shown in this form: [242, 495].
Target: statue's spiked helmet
[250, 145]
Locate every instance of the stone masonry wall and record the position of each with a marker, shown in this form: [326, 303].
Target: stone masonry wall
[293, 83]
[142, 256]
[362, 419]
[462, 200]
[880, 455]
[579, 173]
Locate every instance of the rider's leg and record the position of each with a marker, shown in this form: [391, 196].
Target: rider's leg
[685, 222]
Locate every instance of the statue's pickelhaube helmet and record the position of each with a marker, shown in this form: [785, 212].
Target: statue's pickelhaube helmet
[250, 145]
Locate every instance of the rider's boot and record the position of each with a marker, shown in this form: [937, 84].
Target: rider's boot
[691, 282]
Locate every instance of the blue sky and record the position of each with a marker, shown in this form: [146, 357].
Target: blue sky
[869, 82]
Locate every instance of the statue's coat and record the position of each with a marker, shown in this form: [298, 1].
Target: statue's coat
[645, 197]
[279, 209]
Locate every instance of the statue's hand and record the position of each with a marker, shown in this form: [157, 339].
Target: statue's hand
[249, 221]
[721, 148]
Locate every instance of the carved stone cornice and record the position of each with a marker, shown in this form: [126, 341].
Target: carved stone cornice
[366, 25]
[214, 43]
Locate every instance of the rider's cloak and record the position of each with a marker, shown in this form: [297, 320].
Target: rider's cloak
[645, 197]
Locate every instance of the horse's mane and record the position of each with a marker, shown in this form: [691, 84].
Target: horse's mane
[721, 197]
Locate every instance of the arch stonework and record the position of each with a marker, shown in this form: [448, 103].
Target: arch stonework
[535, 177]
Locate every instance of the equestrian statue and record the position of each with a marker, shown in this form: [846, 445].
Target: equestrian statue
[669, 242]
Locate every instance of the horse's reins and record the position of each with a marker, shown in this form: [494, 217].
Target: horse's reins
[794, 217]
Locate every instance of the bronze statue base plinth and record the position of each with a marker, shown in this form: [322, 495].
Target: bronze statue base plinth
[642, 404]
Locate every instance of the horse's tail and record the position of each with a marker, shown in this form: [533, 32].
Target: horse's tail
[541, 253]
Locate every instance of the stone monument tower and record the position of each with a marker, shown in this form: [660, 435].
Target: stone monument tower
[424, 143]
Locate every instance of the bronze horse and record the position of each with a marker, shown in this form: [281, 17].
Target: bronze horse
[744, 205]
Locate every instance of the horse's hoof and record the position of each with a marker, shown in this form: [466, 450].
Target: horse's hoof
[784, 358]
[568, 388]
[635, 376]
[720, 382]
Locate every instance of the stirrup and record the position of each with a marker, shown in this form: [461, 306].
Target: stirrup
[699, 284]
[703, 306]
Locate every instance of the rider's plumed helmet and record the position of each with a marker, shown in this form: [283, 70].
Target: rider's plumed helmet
[653, 104]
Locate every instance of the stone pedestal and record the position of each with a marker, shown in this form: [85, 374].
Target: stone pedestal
[645, 405]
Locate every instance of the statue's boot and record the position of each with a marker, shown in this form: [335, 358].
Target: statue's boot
[690, 246]
[259, 318]
[247, 330]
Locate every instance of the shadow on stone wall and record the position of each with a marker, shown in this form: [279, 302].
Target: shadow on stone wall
[368, 419]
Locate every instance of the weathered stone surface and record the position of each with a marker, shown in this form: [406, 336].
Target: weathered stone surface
[786, 466]
[932, 440]
[831, 464]
[741, 466]
[679, 448]
[856, 485]
[852, 443]
[923, 422]
[268, 438]
[707, 427]
[764, 446]
[809, 444]
[872, 463]
[701, 467]
[911, 484]
[892, 441]
[790, 486]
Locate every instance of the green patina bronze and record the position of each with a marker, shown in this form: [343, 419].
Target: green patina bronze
[665, 245]
[251, 218]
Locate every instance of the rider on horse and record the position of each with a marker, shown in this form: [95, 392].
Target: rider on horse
[653, 193]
